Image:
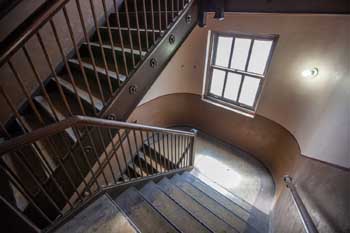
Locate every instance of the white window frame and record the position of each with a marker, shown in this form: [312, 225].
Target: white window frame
[210, 59]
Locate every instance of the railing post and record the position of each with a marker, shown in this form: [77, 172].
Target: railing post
[192, 151]
[308, 224]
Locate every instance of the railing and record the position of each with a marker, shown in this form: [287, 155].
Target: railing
[43, 193]
[103, 40]
[308, 224]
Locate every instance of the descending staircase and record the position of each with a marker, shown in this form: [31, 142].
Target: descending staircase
[181, 203]
[105, 74]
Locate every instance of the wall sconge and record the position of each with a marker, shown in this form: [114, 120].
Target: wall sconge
[310, 73]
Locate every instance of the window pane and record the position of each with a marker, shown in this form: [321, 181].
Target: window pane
[217, 82]
[223, 51]
[232, 86]
[249, 90]
[240, 53]
[260, 54]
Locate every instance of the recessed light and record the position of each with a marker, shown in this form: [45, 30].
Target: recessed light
[310, 73]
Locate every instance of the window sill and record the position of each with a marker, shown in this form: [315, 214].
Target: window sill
[233, 108]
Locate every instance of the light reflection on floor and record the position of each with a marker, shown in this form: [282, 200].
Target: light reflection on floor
[234, 170]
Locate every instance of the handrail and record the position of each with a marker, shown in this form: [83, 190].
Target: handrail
[81, 121]
[308, 224]
[13, 42]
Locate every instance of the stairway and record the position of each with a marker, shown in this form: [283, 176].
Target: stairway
[181, 203]
[87, 83]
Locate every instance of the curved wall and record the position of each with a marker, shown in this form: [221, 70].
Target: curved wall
[316, 111]
[324, 188]
[266, 140]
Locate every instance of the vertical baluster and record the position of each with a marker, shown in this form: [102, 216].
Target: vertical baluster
[159, 17]
[172, 10]
[97, 155]
[42, 87]
[86, 38]
[176, 150]
[152, 18]
[131, 152]
[80, 144]
[172, 150]
[53, 27]
[29, 98]
[144, 151]
[111, 41]
[138, 28]
[166, 13]
[130, 37]
[161, 156]
[53, 71]
[177, 7]
[166, 165]
[114, 148]
[23, 190]
[123, 152]
[145, 22]
[79, 58]
[157, 158]
[107, 156]
[137, 153]
[92, 6]
[70, 180]
[116, 11]
[37, 182]
[149, 152]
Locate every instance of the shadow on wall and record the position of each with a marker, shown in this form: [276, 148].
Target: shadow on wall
[269, 142]
[323, 188]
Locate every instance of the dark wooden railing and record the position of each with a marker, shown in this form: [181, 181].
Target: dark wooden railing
[105, 59]
[137, 151]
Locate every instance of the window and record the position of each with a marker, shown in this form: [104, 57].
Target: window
[236, 69]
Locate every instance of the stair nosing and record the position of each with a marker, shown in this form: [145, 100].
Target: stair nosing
[99, 69]
[173, 181]
[172, 199]
[195, 201]
[117, 48]
[182, 179]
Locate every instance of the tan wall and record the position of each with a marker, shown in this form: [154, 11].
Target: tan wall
[324, 188]
[325, 192]
[269, 142]
[316, 112]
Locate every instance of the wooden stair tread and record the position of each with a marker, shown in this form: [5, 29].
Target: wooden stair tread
[82, 93]
[142, 213]
[102, 216]
[88, 65]
[175, 213]
[115, 48]
[197, 210]
[215, 207]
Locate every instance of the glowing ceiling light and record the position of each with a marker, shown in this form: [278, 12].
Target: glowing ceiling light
[310, 73]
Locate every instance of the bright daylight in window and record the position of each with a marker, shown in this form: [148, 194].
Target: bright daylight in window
[236, 69]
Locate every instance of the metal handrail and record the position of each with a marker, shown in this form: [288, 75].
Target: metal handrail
[81, 121]
[308, 224]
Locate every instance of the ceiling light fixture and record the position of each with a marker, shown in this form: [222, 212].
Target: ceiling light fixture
[310, 73]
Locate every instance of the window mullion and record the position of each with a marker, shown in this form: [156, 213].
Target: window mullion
[229, 65]
[246, 68]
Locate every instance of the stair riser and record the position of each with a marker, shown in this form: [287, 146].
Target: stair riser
[126, 39]
[133, 23]
[90, 73]
[96, 50]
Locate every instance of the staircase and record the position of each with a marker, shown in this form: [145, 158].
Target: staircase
[181, 203]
